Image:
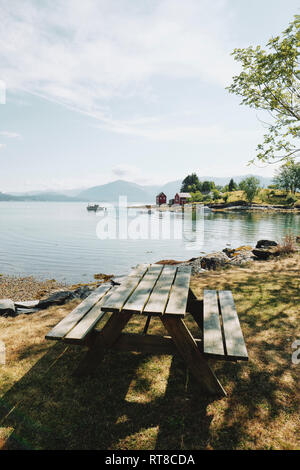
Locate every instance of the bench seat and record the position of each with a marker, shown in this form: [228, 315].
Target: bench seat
[75, 327]
[222, 334]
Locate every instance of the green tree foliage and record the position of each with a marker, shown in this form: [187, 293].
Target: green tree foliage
[216, 194]
[270, 81]
[190, 183]
[288, 177]
[196, 196]
[207, 186]
[250, 186]
[232, 186]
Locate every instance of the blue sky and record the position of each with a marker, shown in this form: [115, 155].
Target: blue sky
[131, 89]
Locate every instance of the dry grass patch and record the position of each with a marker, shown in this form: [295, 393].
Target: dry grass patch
[141, 401]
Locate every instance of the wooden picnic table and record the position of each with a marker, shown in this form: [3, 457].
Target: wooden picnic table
[162, 291]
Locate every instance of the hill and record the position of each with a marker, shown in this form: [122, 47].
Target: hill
[110, 192]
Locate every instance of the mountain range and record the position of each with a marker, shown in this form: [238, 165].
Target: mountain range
[110, 192]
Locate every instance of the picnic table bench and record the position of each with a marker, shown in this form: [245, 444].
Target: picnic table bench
[162, 291]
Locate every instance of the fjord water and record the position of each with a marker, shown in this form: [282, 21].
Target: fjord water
[59, 240]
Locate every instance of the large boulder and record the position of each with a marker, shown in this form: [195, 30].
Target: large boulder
[264, 253]
[7, 308]
[214, 260]
[265, 243]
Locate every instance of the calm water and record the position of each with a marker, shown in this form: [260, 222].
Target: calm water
[59, 240]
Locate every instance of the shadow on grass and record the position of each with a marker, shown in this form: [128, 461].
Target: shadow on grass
[50, 409]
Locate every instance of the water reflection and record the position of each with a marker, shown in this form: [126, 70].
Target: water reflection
[60, 240]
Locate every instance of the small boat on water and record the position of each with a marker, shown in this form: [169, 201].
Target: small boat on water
[94, 207]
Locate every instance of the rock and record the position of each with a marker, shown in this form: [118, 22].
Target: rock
[170, 262]
[27, 304]
[103, 277]
[229, 252]
[264, 253]
[242, 258]
[195, 264]
[265, 243]
[61, 297]
[214, 260]
[26, 311]
[7, 308]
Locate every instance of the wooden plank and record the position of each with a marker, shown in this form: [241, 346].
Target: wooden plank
[155, 268]
[116, 301]
[212, 333]
[83, 328]
[159, 297]
[179, 293]
[234, 339]
[139, 270]
[189, 350]
[138, 299]
[64, 326]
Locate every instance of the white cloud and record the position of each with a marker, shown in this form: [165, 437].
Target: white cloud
[85, 54]
[9, 135]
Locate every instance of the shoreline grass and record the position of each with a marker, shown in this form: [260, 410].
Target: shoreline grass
[140, 401]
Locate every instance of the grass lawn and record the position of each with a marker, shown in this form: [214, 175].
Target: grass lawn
[264, 196]
[139, 401]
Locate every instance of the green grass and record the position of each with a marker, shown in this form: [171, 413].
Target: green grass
[264, 197]
[140, 401]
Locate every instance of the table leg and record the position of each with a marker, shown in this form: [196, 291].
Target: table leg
[188, 348]
[104, 340]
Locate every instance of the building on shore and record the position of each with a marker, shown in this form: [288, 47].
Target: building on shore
[161, 198]
[182, 198]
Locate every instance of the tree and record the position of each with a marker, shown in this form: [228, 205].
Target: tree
[288, 177]
[216, 194]
[232, 185]
[190, 183]
[206, 186]
[250, 187]
[197, 197]
[270, 80]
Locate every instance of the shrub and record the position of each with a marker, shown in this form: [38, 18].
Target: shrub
[216, 194]
[290, 199]
[250, 186]
[287, 246]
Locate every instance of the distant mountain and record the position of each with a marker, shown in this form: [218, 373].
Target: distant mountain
[49, 193]
[49, 197]
[42, 197]
[110, 192]
[7, 197]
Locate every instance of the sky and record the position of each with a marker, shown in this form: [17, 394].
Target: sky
[97, 90]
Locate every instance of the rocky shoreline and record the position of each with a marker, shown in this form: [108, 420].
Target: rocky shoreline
[224, 207]
[15, 292]
[240, 256]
